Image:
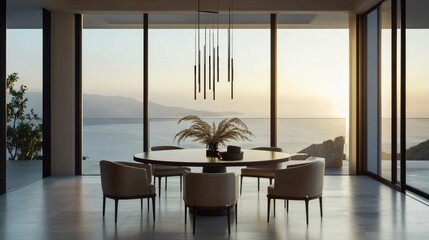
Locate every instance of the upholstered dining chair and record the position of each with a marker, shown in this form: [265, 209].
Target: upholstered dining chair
[210, 191]
[119, 181]
[261, 171]
[149, 174]
[298, 182]
[160, 171]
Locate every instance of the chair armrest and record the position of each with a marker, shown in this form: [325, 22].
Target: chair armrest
[147, 167]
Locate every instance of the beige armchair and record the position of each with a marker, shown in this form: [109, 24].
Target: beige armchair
[210, 191]
[298, 182]
[149, 174]
[261, 171]
[160, 171]
[120, 181]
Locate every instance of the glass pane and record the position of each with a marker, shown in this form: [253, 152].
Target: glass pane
[313, 77]
[386, 90]
[372, 90]
[24, 58]
[112, 84]
[172, 54]
[417, 131]
[398, 84]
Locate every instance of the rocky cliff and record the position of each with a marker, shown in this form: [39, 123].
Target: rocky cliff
[331, 150]
[419, 152]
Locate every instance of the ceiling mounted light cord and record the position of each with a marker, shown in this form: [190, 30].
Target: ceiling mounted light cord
[231, 13]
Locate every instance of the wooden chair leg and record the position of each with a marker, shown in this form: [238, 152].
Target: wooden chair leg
[320, 203]
[104, 204]
[229, 224]
[236, 214]
[286, 204]
[148, 200]
[241, 184]
[159, 186]
[194, 213]
[258, 184]
[274, 208]
[271, 181]
[306, 210]
[116, 210]
[186, 213]
[153, 207]
[165, 183]
[180, 183]
[268, 210]
[141, 203]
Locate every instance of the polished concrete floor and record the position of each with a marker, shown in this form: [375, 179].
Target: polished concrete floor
[355, 207]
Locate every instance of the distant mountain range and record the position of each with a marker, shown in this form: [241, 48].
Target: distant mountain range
[97, 106]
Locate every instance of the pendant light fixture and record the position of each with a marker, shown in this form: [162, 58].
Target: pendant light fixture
[207, 62]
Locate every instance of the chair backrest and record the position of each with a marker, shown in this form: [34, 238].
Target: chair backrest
[118, 180]
[272, 149]
[303, 180]
[147, 167]
[272, 166]
[160, 148]
[210, 189]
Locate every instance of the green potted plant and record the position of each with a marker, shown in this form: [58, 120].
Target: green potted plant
[211, 135]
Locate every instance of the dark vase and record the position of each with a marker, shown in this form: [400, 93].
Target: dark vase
[212, 150]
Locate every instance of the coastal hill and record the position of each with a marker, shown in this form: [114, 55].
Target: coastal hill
[417, 152]
[97, 106]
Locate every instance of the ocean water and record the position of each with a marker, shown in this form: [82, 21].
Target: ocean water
[417, 131]
[120, 139]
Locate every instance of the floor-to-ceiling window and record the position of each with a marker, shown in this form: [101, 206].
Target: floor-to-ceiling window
[112, 84]
[24, 98]
[172, 56]
[382, 91]
[417, 98]
[312, 85]
[390, 94]
[372, 92]
[393, 78]
[386, 90]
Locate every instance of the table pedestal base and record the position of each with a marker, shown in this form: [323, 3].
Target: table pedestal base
[214, 169]
[212, 212]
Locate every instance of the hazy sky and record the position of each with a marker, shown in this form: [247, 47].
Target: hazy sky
[312, 69]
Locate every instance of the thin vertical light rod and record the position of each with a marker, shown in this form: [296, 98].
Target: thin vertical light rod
[195, 53]
[214, 60]
[199, 50]
[210, 58]
[217, 54]
[232, 49]
[229, 42]
[205, 52]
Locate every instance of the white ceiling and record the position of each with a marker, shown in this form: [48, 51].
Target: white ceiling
[168, 20]
[127, 13]
[248, 13]
[267, 6]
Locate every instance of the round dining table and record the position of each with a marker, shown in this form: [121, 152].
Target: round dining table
[198, 158]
